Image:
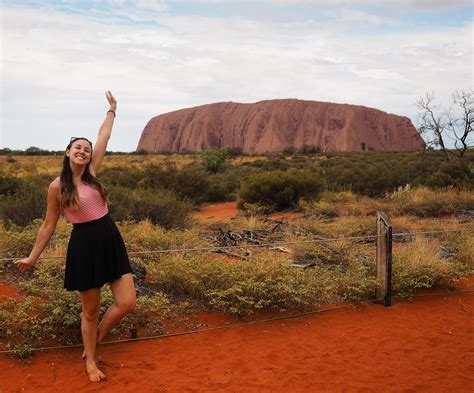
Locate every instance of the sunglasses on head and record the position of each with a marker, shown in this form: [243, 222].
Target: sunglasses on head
[75, 138]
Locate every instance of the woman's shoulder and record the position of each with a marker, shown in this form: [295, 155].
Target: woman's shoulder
[55, 185]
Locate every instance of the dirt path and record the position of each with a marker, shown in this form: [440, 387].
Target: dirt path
[421, 346]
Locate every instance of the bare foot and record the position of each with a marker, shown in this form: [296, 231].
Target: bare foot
[95, 375]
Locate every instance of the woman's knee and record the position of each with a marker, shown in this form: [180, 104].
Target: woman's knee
[128, 305]
[90, 301]
[90, 315]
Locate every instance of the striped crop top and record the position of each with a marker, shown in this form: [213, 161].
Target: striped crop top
[91, 206]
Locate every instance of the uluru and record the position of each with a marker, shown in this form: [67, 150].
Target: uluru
[274, 125]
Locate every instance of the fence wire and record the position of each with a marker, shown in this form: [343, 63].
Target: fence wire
[274, 244]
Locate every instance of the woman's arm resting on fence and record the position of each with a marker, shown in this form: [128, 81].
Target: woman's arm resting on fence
[46, 230]
[105, 131]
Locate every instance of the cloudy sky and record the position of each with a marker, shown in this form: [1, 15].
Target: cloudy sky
[59, 57]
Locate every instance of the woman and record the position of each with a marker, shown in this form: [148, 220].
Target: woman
[96, 253]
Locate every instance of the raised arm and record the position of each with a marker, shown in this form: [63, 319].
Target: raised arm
[105, 131]
[46, 230]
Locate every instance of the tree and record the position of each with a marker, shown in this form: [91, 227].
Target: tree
[456, 125]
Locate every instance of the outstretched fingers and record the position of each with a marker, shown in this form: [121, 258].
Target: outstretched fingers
[110, 98]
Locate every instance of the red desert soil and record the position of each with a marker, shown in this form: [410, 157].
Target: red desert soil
[421, 346]
[217, 211]
[228, 210]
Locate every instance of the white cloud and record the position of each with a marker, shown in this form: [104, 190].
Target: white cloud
[56, 68]
[407, 4]
[151, 5]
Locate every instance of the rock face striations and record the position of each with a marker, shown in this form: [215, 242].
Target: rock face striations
[274, 125]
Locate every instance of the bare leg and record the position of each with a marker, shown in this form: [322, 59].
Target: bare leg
[90, 301]
[123, 291]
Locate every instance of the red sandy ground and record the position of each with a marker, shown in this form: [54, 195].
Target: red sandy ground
[218, 211]
[421, 346]
[228, 210]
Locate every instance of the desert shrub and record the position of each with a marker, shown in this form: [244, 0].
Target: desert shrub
[234, 151]
[16, 241]
[463, 246]
[377, 173]
[244, 287]
[420, 265]
[309, 149]
[222, 187]
[353, 273]
[161, 207]
[321, 209]
[19, 326]
[270, 164]
[23, 209]
[280, 190]
[121, 176]
[9, 185]
[192, 183]
[456, 173]
[59, 310]
[157, 177]
[24, 200]
[214, 160]
[289, 150]
[424, 202]
[341, 198]
[144, 236]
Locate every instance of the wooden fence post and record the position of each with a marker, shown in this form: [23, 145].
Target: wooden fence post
[384, 260]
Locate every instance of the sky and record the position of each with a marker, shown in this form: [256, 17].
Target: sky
[59, 57]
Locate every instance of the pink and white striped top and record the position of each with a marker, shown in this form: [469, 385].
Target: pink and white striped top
[91, 206]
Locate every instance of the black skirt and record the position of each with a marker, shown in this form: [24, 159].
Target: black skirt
[96, 255]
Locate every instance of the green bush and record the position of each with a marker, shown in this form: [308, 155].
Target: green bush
[121, 176]
[280, 189]
[222, 187]
[420, 265]
[377, 173]
[455, 173]
[161, 207]
[9, 185]
[242, 288]
[214, 160]
[23, 200]
[192, 183]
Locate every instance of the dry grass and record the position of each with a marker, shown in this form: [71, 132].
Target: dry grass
[24, 166]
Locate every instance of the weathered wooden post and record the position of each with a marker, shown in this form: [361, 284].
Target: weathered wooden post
[384, 260]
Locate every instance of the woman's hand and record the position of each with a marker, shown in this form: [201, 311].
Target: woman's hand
[112, 100]
[24, 264]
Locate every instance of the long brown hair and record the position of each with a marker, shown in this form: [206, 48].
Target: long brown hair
[68, 196]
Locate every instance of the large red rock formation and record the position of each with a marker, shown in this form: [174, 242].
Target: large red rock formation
[274, 125]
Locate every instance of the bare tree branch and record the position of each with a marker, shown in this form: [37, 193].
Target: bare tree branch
[447, 125]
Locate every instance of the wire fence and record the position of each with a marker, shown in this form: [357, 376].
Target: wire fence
[259, 321]
[273, 244]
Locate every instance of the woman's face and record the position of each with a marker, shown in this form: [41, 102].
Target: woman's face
[80, 152]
